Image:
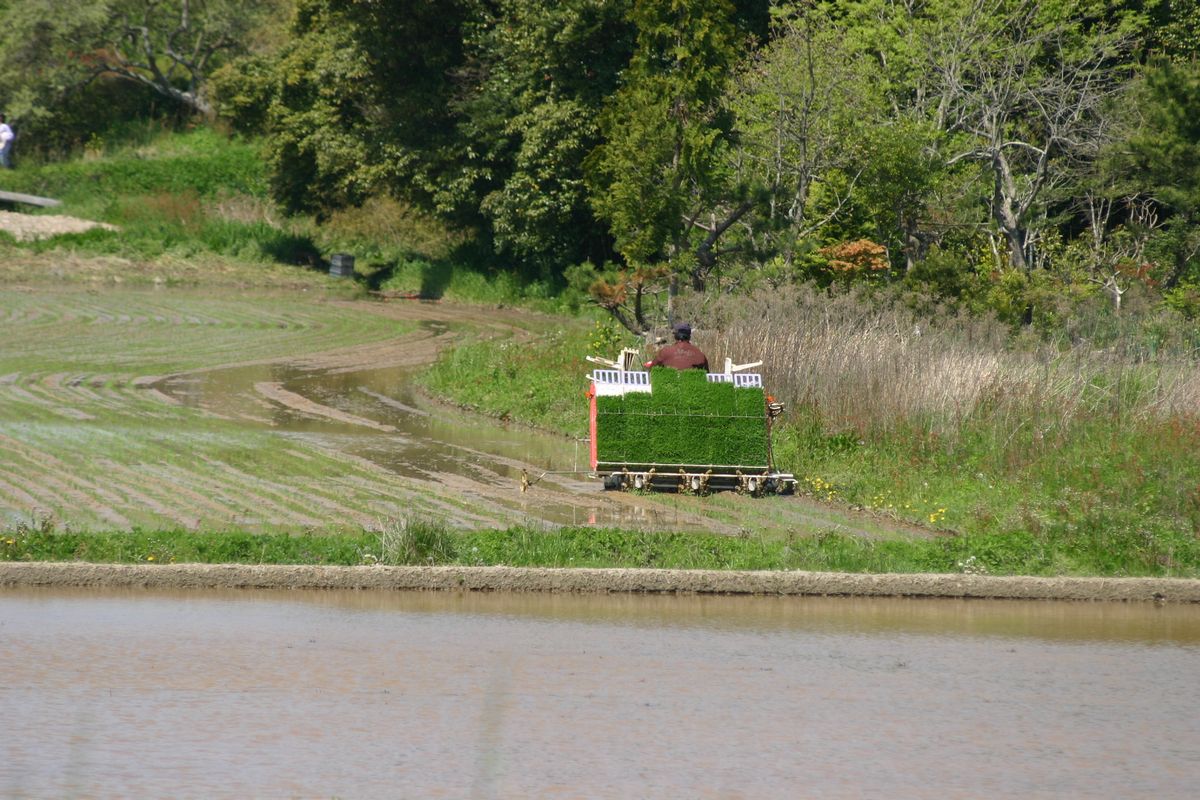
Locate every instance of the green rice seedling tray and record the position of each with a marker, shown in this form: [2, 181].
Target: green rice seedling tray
[685, 420]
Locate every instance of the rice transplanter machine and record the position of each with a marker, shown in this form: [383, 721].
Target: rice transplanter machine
[682, 430]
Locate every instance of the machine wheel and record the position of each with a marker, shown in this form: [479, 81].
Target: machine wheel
[612, 483]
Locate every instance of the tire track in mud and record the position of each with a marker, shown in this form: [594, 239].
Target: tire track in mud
[274, 391]
[40, 405]
[473, 502]
[585, 503]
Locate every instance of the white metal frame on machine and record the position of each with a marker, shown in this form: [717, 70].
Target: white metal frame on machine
[620, 378]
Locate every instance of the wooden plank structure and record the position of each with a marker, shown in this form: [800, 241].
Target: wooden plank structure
[29, 199]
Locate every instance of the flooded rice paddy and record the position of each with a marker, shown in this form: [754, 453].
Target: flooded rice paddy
[176, 409]
[392, 694]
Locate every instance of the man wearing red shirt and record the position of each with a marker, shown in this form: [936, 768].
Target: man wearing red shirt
[683, 354]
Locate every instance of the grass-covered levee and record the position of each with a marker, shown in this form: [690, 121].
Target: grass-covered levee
[683, 420]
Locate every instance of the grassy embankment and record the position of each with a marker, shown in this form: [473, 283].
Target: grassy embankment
[422, 540]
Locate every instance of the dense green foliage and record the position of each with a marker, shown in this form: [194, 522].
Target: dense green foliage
[684, 419]
[70, 69]
[1002, 157]
[1011, 158]
[203, 196]
[201, 163]
[189, 194]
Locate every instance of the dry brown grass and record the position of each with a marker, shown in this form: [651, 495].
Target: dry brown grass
[864, 368]
[245, 209]
[171, 208]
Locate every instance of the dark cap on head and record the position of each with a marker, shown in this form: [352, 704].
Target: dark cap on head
[682, 330]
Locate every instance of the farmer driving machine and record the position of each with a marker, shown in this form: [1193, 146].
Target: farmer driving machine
[682, 430]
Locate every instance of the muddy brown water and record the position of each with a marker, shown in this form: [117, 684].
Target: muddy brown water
[118, 693]
[388, 422]
[377, 414]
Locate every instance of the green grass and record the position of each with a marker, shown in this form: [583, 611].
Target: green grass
[1110, 489]
[417, 541]
[200, 196]
[201, 162]
[183, 195]
[540, 382]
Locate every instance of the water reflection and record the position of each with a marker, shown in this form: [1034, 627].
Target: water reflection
[472, 695]
[1146, 623]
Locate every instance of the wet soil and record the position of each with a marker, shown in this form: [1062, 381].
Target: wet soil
[589, 581]
[328, 396]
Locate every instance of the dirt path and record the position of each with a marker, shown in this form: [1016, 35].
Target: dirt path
[641, 581]
[27, 227]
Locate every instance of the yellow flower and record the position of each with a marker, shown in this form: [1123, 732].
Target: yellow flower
[149, 558]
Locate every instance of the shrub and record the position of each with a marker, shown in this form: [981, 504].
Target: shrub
[413, 540]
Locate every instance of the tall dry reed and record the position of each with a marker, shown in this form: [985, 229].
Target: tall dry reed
[865, 368]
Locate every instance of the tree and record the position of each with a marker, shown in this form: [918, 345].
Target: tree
[481, 113]
[900, 175]
[1117, 249]
[53, 47]
[1016, 89]
[1159, 154]
[800, 107]
[540, 212]
[1024, 86]
[660, 164]
[361, 104]
[537, 75]
[1175, 30]
[168, 45]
